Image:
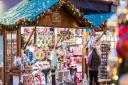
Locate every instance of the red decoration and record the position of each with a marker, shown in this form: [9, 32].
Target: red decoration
[122, 46]
[20, 22]
[104, 25]
[79, 59]
[123, 30]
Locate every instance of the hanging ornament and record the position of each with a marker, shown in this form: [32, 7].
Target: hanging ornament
[25, 23]
[37, 21]
[25, 20]
[16, 26]
[41, 15]
[104, 24]
[122, 30]
[20, 22]
[122, 46]
[38, 17]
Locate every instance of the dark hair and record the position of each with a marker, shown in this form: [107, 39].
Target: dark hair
[94, 52]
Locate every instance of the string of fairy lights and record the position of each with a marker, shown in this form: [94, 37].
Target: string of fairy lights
[26, 11]
[31, 11]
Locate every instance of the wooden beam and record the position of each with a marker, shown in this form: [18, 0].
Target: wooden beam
[4, 56]
[30, 38]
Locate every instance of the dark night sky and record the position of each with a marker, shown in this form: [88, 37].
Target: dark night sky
[5, 5]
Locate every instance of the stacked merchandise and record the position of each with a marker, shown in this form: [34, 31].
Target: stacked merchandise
[72, 47]
[105, 48]
[58, 49]
[35, 61]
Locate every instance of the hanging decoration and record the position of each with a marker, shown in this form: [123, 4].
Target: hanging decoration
[20, 22]
[56, 17]
[122, 47]
[30, 10]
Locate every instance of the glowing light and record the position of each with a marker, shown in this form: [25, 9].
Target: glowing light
[114, 71]
[1, 6]
[120, 60]
[127, 16]
[115, 77]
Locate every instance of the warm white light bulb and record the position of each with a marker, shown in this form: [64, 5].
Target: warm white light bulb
[1, 6]
[127, 16]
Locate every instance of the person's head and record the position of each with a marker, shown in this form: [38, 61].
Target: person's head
[94, 49]
[92, 33]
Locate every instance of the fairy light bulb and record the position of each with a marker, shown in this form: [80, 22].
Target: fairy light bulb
[120, 60]
[115, 77]
[127, 16]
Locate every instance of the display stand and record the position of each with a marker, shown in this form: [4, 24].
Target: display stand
[103, 73]
[71, 45]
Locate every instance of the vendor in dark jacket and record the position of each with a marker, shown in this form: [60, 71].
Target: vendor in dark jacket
[94, 62]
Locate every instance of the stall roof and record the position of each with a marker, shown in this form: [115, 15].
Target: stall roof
[26, 9]
[98, 19]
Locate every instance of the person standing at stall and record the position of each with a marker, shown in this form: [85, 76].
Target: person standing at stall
[94, 62]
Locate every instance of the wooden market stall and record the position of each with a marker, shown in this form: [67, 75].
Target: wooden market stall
[53, 13]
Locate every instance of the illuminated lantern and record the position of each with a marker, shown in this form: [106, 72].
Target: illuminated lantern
[122, 46]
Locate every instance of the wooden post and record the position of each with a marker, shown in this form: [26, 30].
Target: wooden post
[61, 38]
[84, 54]
[10, 70]
[18, 37]
[3, 57]
[35, 36]
[30, 37]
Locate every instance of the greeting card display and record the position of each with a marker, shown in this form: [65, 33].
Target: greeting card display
[105, 48]
[74, 50]
[28, 80]
[39, 41]
[43, 37]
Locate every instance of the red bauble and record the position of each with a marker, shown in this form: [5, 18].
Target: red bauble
[122, 46]
[20, 22]
[123, 30]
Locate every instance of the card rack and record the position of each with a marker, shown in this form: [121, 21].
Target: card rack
[103, 73]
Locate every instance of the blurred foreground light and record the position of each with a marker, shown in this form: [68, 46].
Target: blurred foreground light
[120, 60]
[1, 6]
[113, 84]
[123, 80]
[115, 71]
[115, 77]
[127, 16]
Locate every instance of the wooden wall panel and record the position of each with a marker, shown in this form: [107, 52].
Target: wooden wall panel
[66, 21]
